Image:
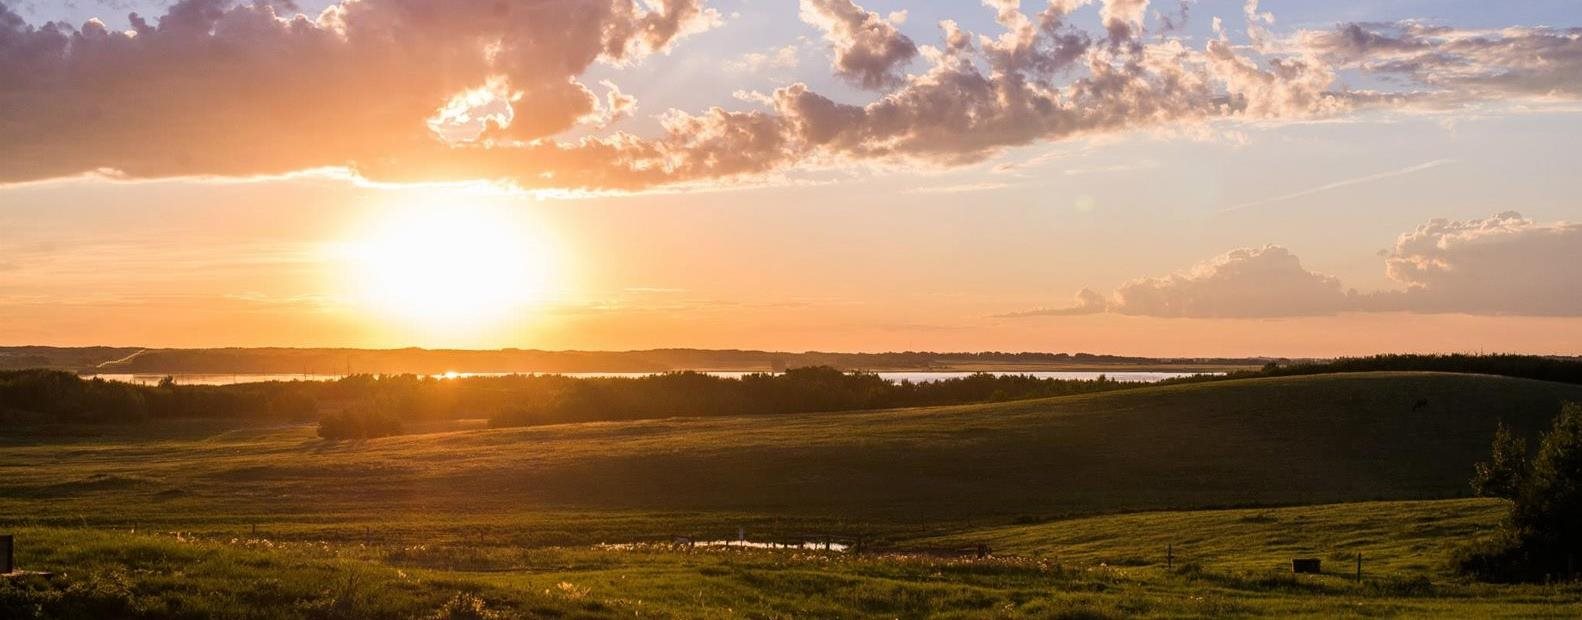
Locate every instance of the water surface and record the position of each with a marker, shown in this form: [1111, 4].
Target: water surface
[913, 376]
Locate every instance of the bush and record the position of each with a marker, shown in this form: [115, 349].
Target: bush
[1539, 538]
[358, 424]
[466, 606]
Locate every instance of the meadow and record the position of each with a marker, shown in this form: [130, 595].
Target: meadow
[1079, 497]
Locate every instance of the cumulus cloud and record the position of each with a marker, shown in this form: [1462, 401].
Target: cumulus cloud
[218, 88]
[1123, 18]
[1249, 282]
[441, 90]
[869, 50]
[1505, 264]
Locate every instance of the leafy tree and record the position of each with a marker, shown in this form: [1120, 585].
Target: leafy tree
[1540, 537]
[1502, 475]
[1549, 504]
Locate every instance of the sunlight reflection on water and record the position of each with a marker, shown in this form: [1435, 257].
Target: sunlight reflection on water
[913, 376]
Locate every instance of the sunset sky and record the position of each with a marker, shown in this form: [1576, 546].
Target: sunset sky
[1117, 176]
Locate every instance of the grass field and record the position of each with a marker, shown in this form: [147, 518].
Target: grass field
[512, 514]
[1227, 563]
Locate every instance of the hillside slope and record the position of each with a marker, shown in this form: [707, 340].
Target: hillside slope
[1295, 440]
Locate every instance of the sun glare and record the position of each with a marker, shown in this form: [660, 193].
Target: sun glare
[452, 267]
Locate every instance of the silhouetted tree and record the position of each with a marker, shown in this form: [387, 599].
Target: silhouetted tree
[1502, 475]
[1540, 537]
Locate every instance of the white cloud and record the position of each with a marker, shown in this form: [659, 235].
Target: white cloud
[785, 57]
[1505, 264]
[1249, 282]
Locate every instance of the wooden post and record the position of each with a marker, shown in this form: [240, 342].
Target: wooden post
[1170, 556]
[1359, 567]
[7, 557]
[255, 530]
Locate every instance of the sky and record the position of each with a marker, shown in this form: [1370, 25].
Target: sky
[1119, 176]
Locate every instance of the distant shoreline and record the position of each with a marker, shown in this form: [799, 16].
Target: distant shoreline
[326, 361]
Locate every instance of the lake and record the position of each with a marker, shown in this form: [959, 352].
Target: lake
[913, 376]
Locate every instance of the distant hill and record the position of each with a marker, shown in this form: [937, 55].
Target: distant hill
[70, 358]
[428, 361]
[1284, 440]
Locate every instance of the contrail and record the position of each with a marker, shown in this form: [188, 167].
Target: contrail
[1339, 184]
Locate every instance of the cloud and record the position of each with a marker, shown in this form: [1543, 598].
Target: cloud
[1465, 62]
[1087, 302]
[219, 88]
[481, 90]
[778, 58]
[1427, 165]
[1123, 18]
[1249, 282]
[1505, 264]
[869, 51]
[959, 188]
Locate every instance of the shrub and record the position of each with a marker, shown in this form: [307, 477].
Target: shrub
[466, 606]
[1539, 537]
[358, 424]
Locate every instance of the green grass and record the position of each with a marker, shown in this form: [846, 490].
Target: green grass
[396, 527]
[1228, 563]
[1298, 440]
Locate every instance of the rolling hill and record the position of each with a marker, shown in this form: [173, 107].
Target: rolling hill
[1290, 440]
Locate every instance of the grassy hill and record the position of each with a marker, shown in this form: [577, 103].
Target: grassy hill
[1228, 563]
[1293, 440]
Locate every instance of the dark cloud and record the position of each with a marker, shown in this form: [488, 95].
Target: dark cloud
[869, 51]
[1464, 62]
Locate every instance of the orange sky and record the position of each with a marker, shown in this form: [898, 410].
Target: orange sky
[825, 174]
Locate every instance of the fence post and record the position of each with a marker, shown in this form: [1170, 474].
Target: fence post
[1170, 556]
[1359, 567]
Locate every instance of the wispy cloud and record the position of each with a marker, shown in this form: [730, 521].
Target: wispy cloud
[957, 189]
[1427, 165]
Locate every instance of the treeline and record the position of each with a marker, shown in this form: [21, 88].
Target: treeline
[1542, 368]
[798, 390]
[381, 404]
[372, 405]
[59, 396]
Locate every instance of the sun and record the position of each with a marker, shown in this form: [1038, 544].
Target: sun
[442, 265]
